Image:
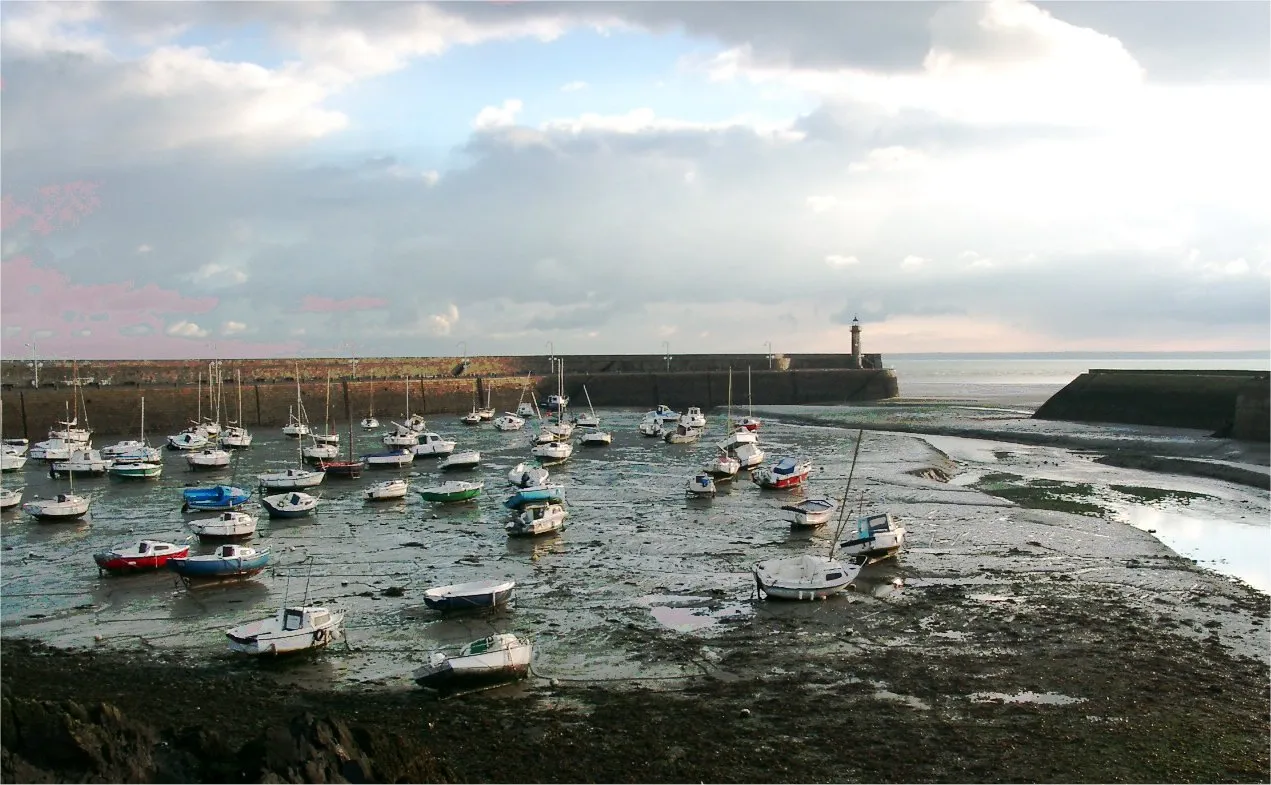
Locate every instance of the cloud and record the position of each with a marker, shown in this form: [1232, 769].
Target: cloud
[837, 261]
[233, 328]
[184, 329]
[443, 323]
[913, 263]
[500, 116]
[314, 304]
[573, 87]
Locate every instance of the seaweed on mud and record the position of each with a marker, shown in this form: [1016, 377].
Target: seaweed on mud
[1042, 494]
[1149, 495]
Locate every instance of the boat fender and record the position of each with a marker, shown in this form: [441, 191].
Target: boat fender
[319, 637]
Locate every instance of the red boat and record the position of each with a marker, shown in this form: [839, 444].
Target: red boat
[785, 473]
[145, 555]
[749, 423]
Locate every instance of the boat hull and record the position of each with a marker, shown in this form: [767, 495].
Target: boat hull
[449, 497]
[119, 563]
[489, 598]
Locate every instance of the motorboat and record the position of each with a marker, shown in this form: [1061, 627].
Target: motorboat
[593, 437]
[451, 492]
[209, 458]
[785, 473]
[394, 459]
[693, 418]
[535, 519]
[525, 409]
[388, 489]
[663, 414]
[651, 427]
[226, 563]
[722, 467]
[136, 470]
[748, 455]
[737, 438]
[228, 526]
[370, 423]
[187, 440]
[465, 596]
[400, 436]
[217, 498]
[431, 445]
[468, 459]
[11, 462]
[121, 448]
[682, 435]
[318, 452]
[471, 418]
[555, 403]
[292, 504]
[290, 479]
[700, 484]
[62, 507]
[806, 577]
[51, 450]
[10, 498]
[809, 513]
[534, 494]
[552, 452]
[524, 476]
[509, 422]
[489, 661]
[876, 537]
[144, 555]
[293, 629]
[81, 463]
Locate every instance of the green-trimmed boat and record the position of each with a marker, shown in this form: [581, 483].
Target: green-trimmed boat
[453, 491]
[140, 470]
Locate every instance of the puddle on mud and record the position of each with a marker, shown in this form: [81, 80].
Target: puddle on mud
[1045, 698]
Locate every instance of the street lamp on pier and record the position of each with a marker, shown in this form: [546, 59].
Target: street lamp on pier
[551, 357]
[770, 355]
[666, 354]
[35, 363]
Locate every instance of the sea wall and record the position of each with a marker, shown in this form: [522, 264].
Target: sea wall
[1229, 403]
[116, 408]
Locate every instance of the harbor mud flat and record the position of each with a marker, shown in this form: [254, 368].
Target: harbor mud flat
[1043, 635]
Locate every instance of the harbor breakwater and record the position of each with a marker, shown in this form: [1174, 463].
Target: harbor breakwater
[176, 392]
[1234, 404]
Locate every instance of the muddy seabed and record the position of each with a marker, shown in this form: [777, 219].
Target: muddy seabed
[1005, 644]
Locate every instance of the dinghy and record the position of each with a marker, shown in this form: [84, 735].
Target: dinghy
[651, 427]
[292, 504]
[10, 498]
[145, 555]
[293, 630]
[785, 473]
[468, 459]
[451, 492]
[552, 452]
[489, 661]
[537, 519]
[809, 512]
[383, 491]
[722, 467]
[217, 498]
[591, 437]
[701, 485]
[534, 494]
[227, 563]
[462, 596]
[230, 525]
[509, 422]
[63, 507]
[877, 537]
[523, 476]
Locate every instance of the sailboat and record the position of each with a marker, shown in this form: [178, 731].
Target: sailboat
[139, 462]
[9, 497]
[592, 436]
[811, 576]
[70, 430]
[349, 467]
[589, 418]
[750, 422]
[291, 479]
[487, 412]
[327, 436]
[369, 423]
[62, 507]
[523, 407]
[212, 425]
[236, 436]
[473, 417]
[414, 422]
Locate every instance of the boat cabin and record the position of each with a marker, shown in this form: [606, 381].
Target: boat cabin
[299, 618]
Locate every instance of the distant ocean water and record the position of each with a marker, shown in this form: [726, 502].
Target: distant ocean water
[1031, 378]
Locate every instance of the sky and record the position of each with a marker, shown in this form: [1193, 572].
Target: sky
[278, 179]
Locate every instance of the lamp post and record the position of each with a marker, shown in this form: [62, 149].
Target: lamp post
[666, 354]
[551, 357]
[35, 363]
[769, 345]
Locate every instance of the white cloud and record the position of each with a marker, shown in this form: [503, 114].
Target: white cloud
[443, 323]
[500, 116]
[838, 262]
[573, 87]
[217, 275]
[645, 120]
[912, 263]
[143, 248]
[821, 204]
[889, 159]
[186, 329]
[233, 328]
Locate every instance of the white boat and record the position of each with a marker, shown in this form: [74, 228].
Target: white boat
[121, 448]
[559, 428]
[393, 459]
[809, 512]
[465, 596]
[486, 414]
[232, 525]
[327, 437]
[538, 519]
[15, 445]
[370, 423]
[11, 462]
[189, 439]
[237, 437]
[701, 484]
[431, 445]
[588, 419]
[806, 577]
[525, 409]
[62, 507]
[593, 437]
[468, 459]
[211, 458]
[295, 427]
[750, 422]
[415, 422]
[663, 414]
[71, 432]
[81, 462]
[136, 470]
[388, 489]
[736, 439]
[10, 498]
[294, 629]
[51, 450]
[471, 418]
[722, 467]
[785, 473]
[400, 436]
[749, 455]
[693, 418]
[552, 452]
[682, 435]
[319, 452]
[290, 479]
[509, 422]
[523, 476]
[876, 537]
[652, 427]
[485, 662]
[292, 504]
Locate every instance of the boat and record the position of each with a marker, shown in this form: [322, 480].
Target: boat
[10, 498]
[877, 537]
[81, 462]
[524, 476]
[15, 445]
[136, 470]
[189, 439]
[237, 437]
[229, 525]
[121, 448]
[464, 596]
[51, 450]
[431, 445]
[682, 435]
[749, 455]
[489, 661]
[525, 409]
[292, 504]
[11, 462]
[486, 413]
[208, 458]
[722, 467]
[400, 436]
[737, 438]
[652, 427]
[451, 492]
[552, 453]
[290, 479]
[145, 555]
[587, 419]
[693, 418]
[348, 468]
[594, 437]
[226, 563]
[295, 427]
[293, 629]
[809, 513]
[319, 452]
[327, 437]
[785, 473]
[749, 422]
[71, 430]
[393, 459]
[388, 489]
[538, 518]
[555, 403]
[217, 498]
[468, 459]
[62, 507]
[134, 450]
[370, 422]
[663, 414]
[810, 576]
[471, 418]
[535, 494]
[416, 423]
[701, 484]
[509, 422]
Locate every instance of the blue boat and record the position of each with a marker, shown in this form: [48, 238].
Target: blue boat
[538, 493]
[227, 563]
[217, 498]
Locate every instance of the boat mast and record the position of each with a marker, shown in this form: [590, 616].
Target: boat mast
[407, 397]
[200, 397]
[589, 406]
[730, 395]
[348, 413]
[143, 421]
[300, 419]
[328, 413]
[239, 375]
[750, 401]
[838, 530]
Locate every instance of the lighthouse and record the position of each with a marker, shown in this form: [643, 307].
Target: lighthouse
[856, 342]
